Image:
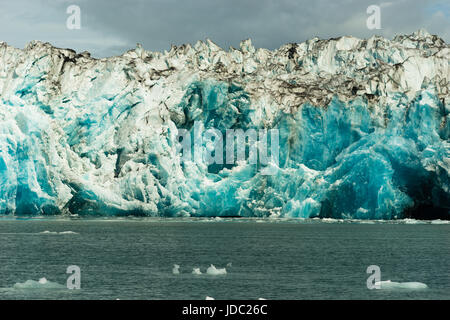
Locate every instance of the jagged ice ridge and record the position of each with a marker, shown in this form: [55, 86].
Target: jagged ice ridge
[364, 129]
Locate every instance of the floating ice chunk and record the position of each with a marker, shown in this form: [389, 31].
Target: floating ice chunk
[229, 264]
[176, 269]
[392, 285]
[209, 298]
[330, 220]
[366, 222]
[438, 221]
[43, 283]
[411, 221]
[55, 232]
[212, 270]
[196, 271]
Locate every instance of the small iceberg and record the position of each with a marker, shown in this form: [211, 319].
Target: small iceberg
[54, 232]
[196, 271]
[392, 285]
[176, 269]
[411, 221]
[438, 221]
[209, 298]
[43, 283]
[212, 270]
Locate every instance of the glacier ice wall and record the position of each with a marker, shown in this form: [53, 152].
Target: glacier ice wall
[364, 129]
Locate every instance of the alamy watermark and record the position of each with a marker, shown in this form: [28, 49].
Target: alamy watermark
[73, 22]
[374, 280]
[374, 19]
[207, 146]
[74, 280]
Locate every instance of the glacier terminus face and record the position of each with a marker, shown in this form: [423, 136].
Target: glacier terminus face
[362, 126]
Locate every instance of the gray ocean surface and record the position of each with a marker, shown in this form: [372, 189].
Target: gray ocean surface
[132, 258]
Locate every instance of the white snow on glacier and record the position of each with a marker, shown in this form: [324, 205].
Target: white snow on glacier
[364, 129]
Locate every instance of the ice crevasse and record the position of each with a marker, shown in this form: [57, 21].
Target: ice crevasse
[364, 127]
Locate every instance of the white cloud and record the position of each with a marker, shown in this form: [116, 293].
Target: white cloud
[112, 27]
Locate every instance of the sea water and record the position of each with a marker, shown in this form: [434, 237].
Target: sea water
[131, 258]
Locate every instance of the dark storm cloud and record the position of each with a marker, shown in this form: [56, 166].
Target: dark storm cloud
[111, 27]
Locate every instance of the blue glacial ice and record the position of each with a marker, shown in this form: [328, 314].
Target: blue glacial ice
[364, 129]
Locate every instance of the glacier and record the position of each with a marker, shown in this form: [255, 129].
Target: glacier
[364, 127]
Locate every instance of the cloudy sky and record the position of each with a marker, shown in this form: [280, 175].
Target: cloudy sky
[110, 27]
